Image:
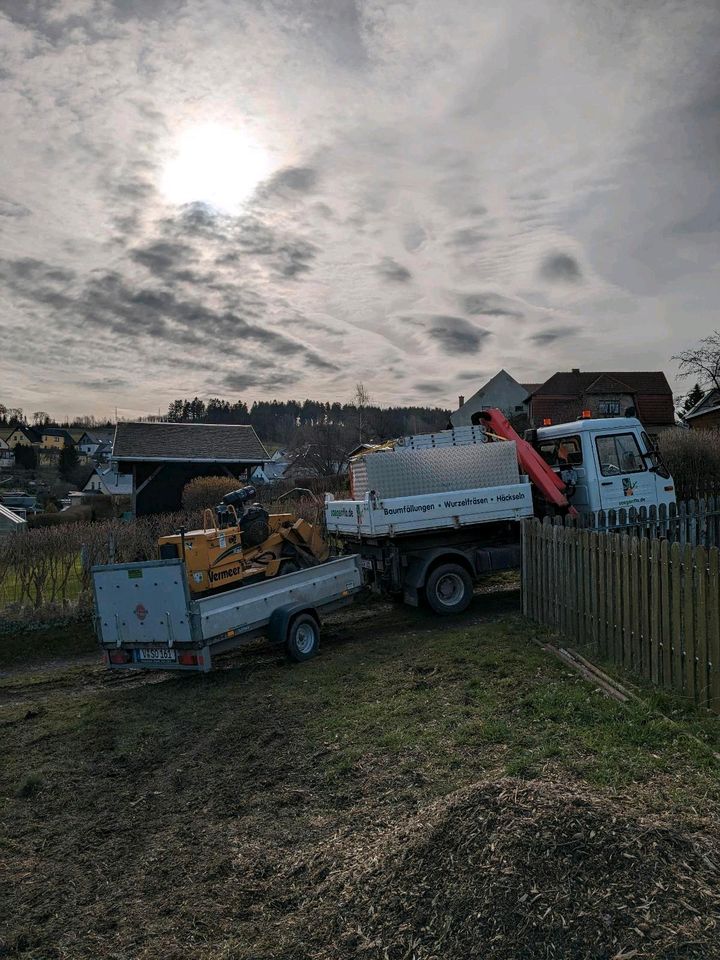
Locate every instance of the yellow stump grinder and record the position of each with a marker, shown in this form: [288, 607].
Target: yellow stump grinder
[242, 543]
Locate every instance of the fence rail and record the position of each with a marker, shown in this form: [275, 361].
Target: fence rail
[650, 605]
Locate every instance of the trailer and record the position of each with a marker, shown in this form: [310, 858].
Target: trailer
[145, 616]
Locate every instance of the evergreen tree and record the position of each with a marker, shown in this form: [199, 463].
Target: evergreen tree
[68, 462]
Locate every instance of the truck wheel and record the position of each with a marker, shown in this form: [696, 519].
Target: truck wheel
[303, 638]
[449, 589]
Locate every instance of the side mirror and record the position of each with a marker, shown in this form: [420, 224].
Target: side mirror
[650, 461]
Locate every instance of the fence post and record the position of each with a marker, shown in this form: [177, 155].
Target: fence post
[633, 605]
[676, 607]
[689, 620]
[713, 621]
[654, 611]
[602, 595]
[701, 675]
[644, 607]
[665, 621]
[625, 628]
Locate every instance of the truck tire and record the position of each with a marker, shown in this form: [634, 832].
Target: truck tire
[303, 638]
[449, 589]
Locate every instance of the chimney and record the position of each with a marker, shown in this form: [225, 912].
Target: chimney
[576, 369]
[461, 400]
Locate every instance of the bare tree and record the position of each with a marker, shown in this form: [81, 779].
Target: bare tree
[40, 418]
[702, 361]
[361, 399]
[322, 448]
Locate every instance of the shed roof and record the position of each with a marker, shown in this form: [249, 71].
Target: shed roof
[188, 442]
[8, 514]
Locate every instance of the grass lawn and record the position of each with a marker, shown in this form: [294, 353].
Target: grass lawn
[153, 816]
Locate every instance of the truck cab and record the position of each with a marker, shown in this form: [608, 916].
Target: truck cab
[609, 463]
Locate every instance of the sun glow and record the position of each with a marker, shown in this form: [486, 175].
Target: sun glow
[215, 164]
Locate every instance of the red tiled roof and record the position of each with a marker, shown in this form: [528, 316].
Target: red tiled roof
[560, 398]
[570, 384]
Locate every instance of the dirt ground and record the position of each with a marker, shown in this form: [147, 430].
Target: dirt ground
[369, 803]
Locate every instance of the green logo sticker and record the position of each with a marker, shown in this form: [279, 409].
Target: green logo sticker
[135, 574]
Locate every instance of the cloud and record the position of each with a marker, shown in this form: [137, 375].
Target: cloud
[489, 305]
[161, 257]
[416, 200]
[561, 268]
[8, 208]
[467, 237]
[299, 179]
[390, 269]
[455, 335]
[430, 386]
[546, 337]
[240, 381]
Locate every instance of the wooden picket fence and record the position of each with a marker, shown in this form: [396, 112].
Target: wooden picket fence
[696, 522]
[650, 605]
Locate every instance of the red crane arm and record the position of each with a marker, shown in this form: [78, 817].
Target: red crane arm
[531, 463]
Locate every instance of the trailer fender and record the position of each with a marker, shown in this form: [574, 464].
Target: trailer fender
[281, 619]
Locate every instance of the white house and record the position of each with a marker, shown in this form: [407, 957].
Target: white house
[272, 469]
[110, 482]
[502, 391]
[7, 455]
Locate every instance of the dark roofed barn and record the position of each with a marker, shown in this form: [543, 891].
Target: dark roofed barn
[163, 457]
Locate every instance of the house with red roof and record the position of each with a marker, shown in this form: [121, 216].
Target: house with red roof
[566, 395]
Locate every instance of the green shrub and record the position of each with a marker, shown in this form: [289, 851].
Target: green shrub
[693, 458]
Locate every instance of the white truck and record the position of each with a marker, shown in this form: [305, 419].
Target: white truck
[428, 516]
[436, 512]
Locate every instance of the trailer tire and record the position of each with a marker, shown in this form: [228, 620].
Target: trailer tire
[303, 638]
[448, 589]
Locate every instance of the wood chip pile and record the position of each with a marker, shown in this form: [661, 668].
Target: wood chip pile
[512, 871]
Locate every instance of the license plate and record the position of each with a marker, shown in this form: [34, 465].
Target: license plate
[366, 564]
[156, 653]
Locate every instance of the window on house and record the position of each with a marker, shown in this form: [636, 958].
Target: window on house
[561, 451]
[609, 407]
[618, 454]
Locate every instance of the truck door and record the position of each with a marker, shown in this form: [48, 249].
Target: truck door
[566, 453]
[624, 480]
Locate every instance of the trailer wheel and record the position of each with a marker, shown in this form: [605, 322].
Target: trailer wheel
[449, 589]
[303, 638]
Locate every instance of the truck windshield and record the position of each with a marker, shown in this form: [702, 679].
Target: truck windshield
[561, 451]
[619, 453]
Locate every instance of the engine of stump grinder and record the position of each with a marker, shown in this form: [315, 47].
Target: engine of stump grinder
[242, 543]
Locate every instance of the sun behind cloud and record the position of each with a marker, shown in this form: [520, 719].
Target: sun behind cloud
[215, 164]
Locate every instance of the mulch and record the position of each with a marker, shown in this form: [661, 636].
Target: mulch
[511, 870]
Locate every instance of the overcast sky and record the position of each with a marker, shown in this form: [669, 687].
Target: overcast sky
[275, 198]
